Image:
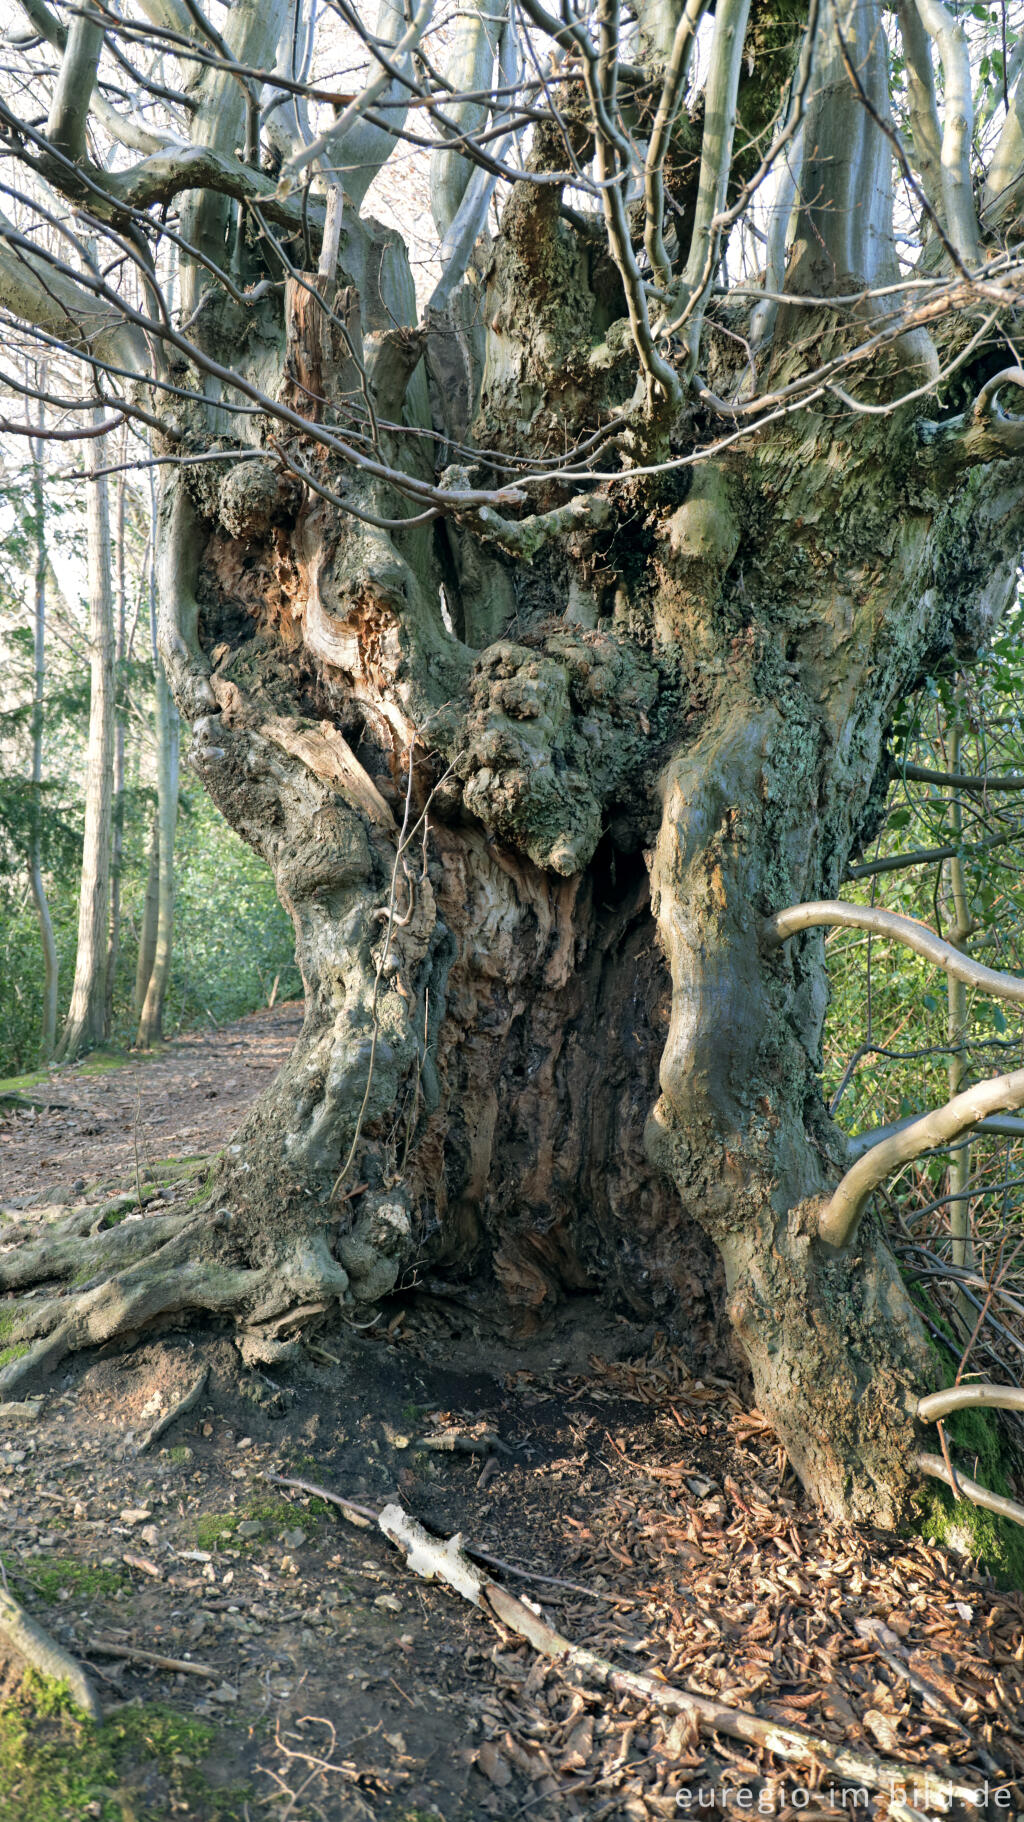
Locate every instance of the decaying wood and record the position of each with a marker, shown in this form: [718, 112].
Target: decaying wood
[35, 1645]
[447, 1561]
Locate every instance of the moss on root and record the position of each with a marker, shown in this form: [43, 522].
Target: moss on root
[143, 1764]
[978, 1446]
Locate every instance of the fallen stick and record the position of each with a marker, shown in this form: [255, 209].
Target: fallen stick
[367, 1515]
[428, 1558]
[45, 1655]
[134, 1654]
[183, 1406]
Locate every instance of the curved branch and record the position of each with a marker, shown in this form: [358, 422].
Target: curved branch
[967, 1397]
[982, 434]
[837, 1223]
[1004, 1126]
[970, 1489]
[834, 913]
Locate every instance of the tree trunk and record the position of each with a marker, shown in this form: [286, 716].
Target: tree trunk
[150, 915]
[150, 1029]
[117, 803]
[86, 1021]
[534, 768]
[48, 1029]
[160, 934]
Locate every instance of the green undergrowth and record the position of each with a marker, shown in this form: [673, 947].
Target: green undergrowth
[54, 1576]
[142, 1764]
[219, 1530]
[978, 1446]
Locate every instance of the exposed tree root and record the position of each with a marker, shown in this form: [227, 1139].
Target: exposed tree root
[45, 1655]
[138, 1274]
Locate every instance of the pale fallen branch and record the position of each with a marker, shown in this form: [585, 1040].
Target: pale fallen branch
[44, 1654]
[966, 1488]
[964, 1397]
[367, 1515]
[446, 1560]
[134, 1654]
[181, 1409]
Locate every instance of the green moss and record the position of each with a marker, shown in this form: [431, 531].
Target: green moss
[23, 1084]
[51, 1576]
[141, 1765]
[179, 1455]
[977, 1446]
[15, 1352]
[219, 1530]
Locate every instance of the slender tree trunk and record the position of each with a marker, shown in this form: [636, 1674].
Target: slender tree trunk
[117, 814]
[48, 1028]
[150, 1029]
[86, 1022]
[960, 1163]
[150, 916]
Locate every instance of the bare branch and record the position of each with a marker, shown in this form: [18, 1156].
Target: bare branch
[924, 942]
[1000, 1125]
[1001, 190]
[661, 134]
[957, 127]
[69, 112]
[31, 289]
[924, 116]
[838, 1221]
[965, 781]
[693, 290]
[967, 1398]
[966, 1488]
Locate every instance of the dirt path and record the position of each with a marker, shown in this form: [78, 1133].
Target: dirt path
[329, 1685]
[186, 1100]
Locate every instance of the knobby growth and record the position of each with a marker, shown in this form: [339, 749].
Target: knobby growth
[540, 589]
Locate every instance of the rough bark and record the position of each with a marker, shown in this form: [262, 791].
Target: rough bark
[533, 772]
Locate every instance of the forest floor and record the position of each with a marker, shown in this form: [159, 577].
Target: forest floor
[327, 1683]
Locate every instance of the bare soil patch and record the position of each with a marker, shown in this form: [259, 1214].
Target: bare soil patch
[334, 1685]
[87, 1122]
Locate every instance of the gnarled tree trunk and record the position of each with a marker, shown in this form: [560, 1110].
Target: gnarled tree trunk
[535, 750]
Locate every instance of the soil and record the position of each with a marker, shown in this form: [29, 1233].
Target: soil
[89, 1121]
[333, 1684]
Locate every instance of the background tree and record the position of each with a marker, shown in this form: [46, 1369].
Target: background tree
[569, 610]
[48, 1031]
[86, 1024]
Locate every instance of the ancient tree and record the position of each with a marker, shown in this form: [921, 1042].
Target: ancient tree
[543, 630]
